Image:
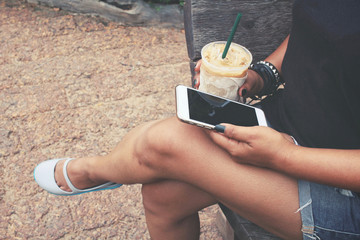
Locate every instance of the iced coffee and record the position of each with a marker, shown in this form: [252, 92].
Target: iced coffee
[223, 77]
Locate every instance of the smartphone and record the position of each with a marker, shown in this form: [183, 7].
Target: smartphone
[206, 110]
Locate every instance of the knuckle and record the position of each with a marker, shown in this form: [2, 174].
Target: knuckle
[233, 152]
[234, 149]
[231, 131]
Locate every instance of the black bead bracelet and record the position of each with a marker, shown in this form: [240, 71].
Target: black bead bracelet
[270, 75]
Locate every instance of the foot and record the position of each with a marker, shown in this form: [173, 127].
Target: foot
[78, 174]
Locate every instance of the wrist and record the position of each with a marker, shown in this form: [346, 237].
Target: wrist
[257, 82]
[286, 158]
[270, 76]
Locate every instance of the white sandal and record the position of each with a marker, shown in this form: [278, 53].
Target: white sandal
[44, 175]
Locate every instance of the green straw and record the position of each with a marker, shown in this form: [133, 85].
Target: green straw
[233, 30]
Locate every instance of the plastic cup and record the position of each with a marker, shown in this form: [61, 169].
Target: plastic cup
[224, 77]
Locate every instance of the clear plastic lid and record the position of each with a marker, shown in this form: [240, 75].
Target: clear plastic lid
[236, 63]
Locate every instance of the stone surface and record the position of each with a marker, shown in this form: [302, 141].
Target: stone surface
[72, 85]
[126, 12]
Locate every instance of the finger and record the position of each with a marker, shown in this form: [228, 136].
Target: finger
[242, 91]
[196, 80]
[253, 84]
[197, 66]
[249, 88]
[224, 142]
[238, 133]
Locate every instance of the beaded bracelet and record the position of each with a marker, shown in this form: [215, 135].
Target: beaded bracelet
[270, 75]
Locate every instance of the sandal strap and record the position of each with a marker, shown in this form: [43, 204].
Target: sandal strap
[76, 190]
[71, 186]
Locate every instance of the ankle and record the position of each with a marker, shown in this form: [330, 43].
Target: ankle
[78, 169]
[91, 167]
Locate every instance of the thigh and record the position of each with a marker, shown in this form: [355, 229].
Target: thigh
[172, 150]
[268, 198]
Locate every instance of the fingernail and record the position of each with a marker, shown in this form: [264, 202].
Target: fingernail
[220, 128]
[243, 92]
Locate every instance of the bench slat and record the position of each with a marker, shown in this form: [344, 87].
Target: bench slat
[264, 24]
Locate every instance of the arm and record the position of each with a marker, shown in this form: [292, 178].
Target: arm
[335, 167]
[265, 147]
[277, 56]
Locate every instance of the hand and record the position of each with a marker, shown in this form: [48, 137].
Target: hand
[197, 74]
[259, 146]
[251, 87]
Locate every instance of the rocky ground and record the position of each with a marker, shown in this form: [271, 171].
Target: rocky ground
[72, 85]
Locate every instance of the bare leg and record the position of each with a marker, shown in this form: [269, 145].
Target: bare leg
[121, 165]
[172, 150]
[168, 214]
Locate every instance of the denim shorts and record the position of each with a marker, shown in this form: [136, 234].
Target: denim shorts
[328, 213]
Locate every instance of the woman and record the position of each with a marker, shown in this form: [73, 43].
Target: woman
[292, 191]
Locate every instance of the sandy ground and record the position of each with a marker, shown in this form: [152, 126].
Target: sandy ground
[72, 86]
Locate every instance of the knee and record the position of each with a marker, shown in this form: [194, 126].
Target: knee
[151, 198]
[157, 202]
[157, 145]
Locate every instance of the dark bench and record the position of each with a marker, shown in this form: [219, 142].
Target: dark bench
[264, 25]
